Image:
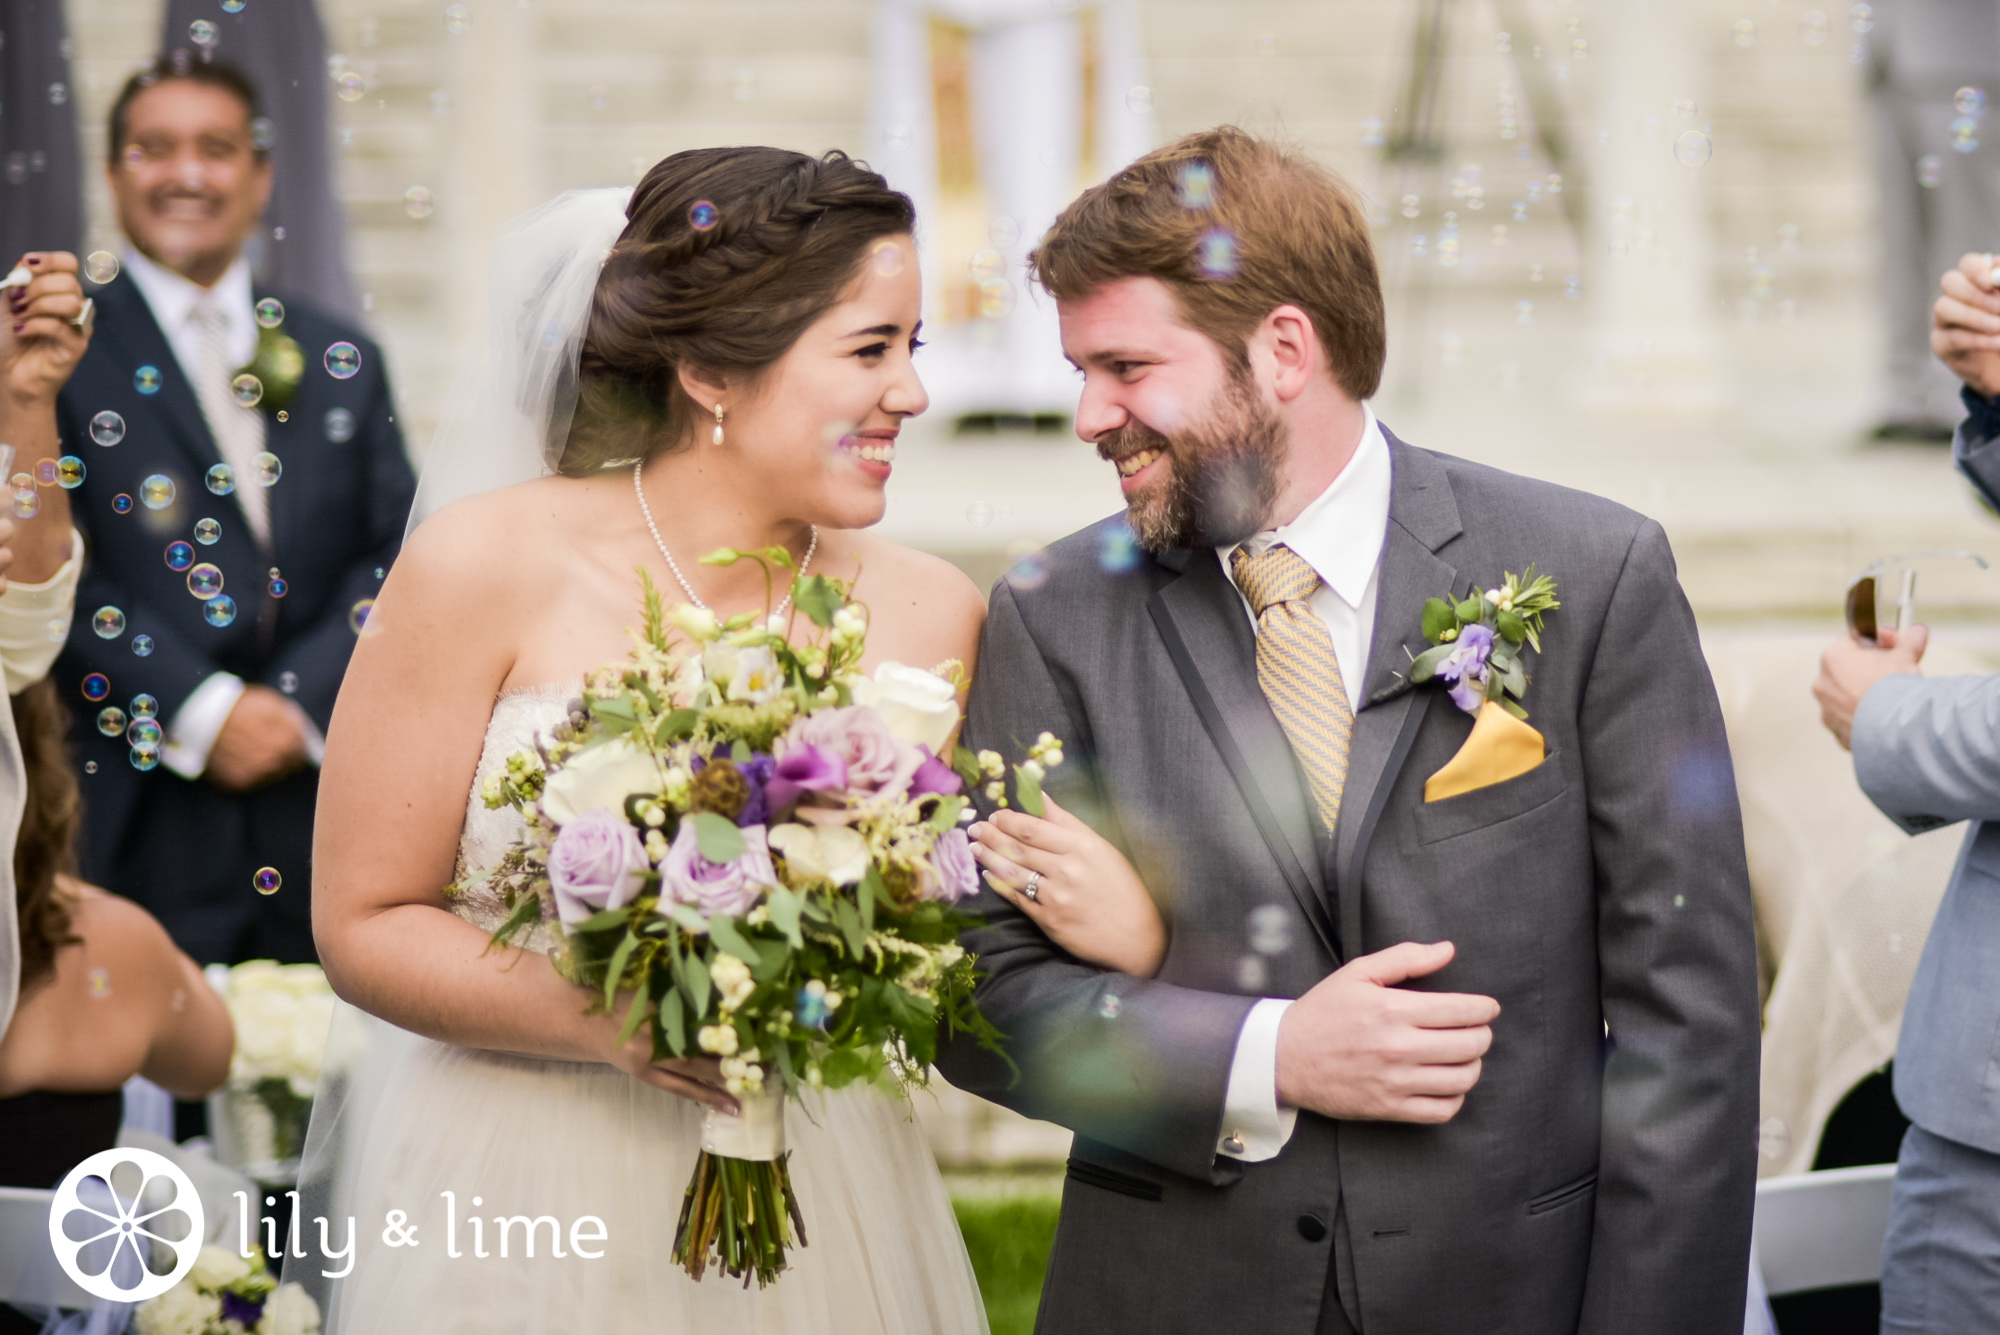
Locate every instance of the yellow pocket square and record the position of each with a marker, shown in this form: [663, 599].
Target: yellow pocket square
[1501, 747]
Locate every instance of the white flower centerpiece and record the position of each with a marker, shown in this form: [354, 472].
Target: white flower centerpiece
[282, 1014]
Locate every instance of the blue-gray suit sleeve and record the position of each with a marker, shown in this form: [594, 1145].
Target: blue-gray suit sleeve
[1974, 448]
[1927, 749]
[1130, 1062]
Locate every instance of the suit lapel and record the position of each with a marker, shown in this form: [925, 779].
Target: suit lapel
[1214, 649]
[133, 338]
[1423, 517]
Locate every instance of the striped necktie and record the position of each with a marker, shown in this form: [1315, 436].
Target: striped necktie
[238, 431]
[1297, 668]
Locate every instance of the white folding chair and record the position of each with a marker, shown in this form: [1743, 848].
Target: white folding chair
[1821, 1230]
[29, 1275]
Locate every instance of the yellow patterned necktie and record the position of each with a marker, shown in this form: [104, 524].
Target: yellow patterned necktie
[1297, 668]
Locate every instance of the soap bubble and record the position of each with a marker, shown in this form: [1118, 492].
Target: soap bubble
[1930, 171]
[109, 623]
[1964, 134]
[142, 645]
[90, 767]
[27, 504]
[146, 380]
[702, 216]
[1813, 28]
[100, 266]
[1969, 102]
[46, 472]
[158, 491]
[1120, 550]
[144, 732]
[268, 469]
[179, 556]
[145, 706]
[887, 257]
[1139, 98]
[278, 588]
[203, 33]
[270, 313]
[1030, 572]
[457, 18]
[70, 472]
[339, 426]
[743, 83]
[350, 86]
[1524, 312]
[1109, 1005]
[263, 134]
[1197, 186]
[206, 531]
[232, 6]
[361, 618]
[107, 428]
[1373, 133]
[219, 610]
[100, 983]
[1252, 974]
[205, 580]
[343, 360]
[1270, 929]
[111, 721]
[267, 880]
[996, 299]
[985, 265]
[1218, 254]
[979, 514]
[417, 201]
[1003, 232]
[1692, 148]
[1743, 32]
[145, 758]
[247, 390]
[221, 479]
[122, 503]
[1862, 19]
[96, 686]
[288, 682]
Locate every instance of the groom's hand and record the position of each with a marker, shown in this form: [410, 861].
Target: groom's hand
[1358, 1047]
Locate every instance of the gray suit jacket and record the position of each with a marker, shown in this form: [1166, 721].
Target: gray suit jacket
[1927, 752]
[1600, 1177]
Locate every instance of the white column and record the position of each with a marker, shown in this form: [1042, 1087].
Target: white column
[1647, 268]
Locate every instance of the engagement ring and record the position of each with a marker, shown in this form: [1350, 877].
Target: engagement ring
[1028, 888]
[86, 315]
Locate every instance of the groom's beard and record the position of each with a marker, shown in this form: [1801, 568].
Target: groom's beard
[1222, 476]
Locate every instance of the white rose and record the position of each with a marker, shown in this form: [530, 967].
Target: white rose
[181, 1310]
[920, 707]
[599, 779]
[831, 853]
[216, 1266]
[289, 1310]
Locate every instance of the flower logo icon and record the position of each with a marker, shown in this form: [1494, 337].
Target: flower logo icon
[126, 1225]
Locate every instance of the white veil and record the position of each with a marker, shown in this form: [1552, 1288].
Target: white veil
[509, 412]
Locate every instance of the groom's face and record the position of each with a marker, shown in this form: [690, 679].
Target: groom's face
[1198, 448]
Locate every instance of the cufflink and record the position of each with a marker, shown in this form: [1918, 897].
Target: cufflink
[1232, 1143]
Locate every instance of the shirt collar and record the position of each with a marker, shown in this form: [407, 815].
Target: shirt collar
[1340, 532]
[172, 298]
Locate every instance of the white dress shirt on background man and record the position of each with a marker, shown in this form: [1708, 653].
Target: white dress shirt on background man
[174, 301]
[1340, 535]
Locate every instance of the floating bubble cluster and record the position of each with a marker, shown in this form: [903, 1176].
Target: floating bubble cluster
[205, 580]
[111, 721]
[145, 706]
[70, 472]
[219, 610]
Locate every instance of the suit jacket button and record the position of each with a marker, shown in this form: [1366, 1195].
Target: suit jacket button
[1312, 1228]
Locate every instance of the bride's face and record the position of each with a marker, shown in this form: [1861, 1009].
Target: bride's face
[821, 424]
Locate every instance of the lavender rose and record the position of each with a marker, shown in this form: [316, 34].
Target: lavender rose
[1467, 669]
[595, 864]
[860, 740]
[954, 875]
[934, 776]
[728, 888]
[804, 768]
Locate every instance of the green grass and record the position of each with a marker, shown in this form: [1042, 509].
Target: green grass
[1008, 1233]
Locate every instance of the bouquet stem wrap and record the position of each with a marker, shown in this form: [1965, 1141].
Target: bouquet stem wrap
[739, 1211]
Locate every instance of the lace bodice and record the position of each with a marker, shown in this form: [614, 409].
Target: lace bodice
[519, 718]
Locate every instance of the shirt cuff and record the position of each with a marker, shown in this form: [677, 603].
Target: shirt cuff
[191, 735]
[34, 621]
[1983, 414]
[1254, 1125]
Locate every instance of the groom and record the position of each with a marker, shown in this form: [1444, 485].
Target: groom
[1486, 1062]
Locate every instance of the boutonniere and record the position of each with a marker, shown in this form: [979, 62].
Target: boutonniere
[279, 366]
[1477, 641]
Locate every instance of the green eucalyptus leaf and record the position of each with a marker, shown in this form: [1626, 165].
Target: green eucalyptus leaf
[1513, 709]
[1426, 664]
[1512, 626]
[614, 972]
[675, 726]
[848, 919]
[722, 931]
[966, 766]
[872, 892]
[1438, 618]
[784, 908]
[685, 915]
[1469, 609]
[720, 840]
[673, 1023]
[601, 922]
[947, 813]
[694, 979]
[1028, 792]
[817, 597]
[633, 1014]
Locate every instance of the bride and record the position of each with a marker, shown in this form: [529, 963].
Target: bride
[734, 374]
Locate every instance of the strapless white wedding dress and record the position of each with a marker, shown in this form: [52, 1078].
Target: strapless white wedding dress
[525, 1139]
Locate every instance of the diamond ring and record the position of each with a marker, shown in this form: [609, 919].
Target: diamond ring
[1029, 890]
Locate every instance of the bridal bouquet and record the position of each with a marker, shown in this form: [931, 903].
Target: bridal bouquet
[754, 851]
[227, 1294]
[282, 1014]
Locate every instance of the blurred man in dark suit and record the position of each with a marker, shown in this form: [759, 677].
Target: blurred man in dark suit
[246, 492]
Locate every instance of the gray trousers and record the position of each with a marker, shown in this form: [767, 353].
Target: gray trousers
[1941, 1260]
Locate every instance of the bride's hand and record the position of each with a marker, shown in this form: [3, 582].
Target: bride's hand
[1089, 900]
[696, 1078]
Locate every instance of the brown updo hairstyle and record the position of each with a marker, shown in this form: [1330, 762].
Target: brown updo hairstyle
[786, 236]
[46, 844]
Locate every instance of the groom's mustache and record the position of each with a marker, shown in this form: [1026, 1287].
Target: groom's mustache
[1130, 439]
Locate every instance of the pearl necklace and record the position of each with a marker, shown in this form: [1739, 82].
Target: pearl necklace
[674, 565]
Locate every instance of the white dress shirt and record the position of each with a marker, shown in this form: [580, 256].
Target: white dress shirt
[191, 733]
[1340, 535]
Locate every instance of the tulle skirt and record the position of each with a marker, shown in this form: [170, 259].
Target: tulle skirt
[413, 1139]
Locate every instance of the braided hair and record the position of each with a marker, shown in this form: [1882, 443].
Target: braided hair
[728, 254]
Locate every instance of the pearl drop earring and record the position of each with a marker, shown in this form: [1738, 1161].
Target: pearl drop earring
[717, 436]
